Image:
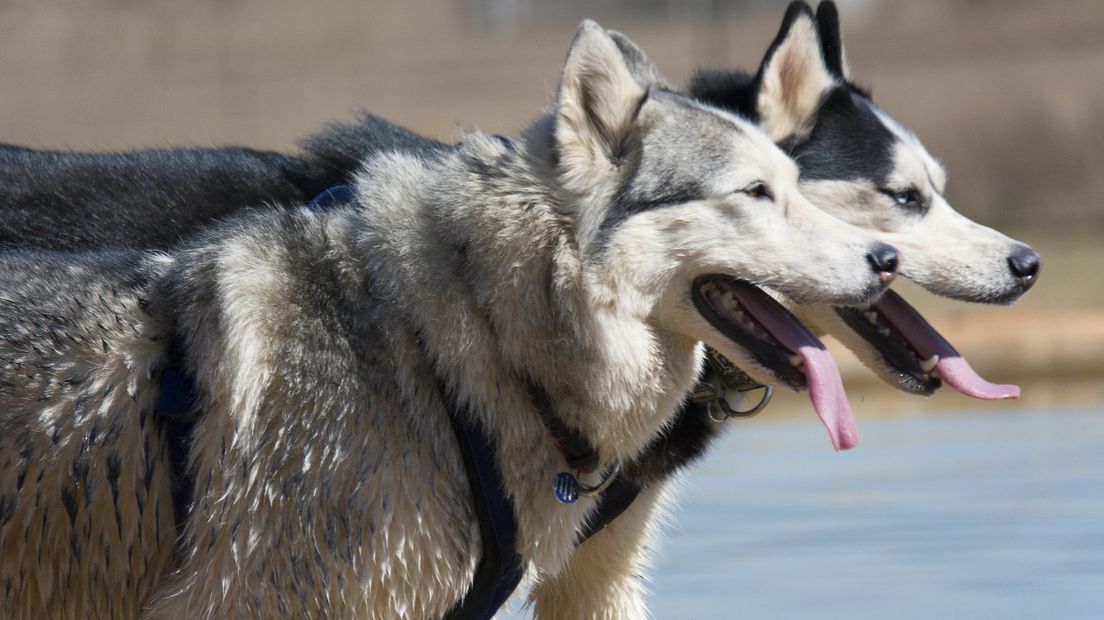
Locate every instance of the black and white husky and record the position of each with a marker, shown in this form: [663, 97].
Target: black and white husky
[860, 165]
[587, 261]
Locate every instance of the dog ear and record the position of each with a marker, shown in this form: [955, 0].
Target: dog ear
[596, 106]
[831, 41]
[646, 73]
[794, 77]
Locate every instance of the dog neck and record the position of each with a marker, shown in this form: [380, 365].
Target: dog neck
[488, 262]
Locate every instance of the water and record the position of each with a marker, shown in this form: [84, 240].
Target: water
[967, 516]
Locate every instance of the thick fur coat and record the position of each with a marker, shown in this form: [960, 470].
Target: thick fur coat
[328, 481]
[155, 198]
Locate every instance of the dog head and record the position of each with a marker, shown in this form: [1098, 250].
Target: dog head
[861, 166]
[682, 210]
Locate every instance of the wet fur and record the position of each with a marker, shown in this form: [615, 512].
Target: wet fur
[327, 479]
[330, 157]
[86, 513]
[848, 145]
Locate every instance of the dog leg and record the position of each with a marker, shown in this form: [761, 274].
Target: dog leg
[603, 578]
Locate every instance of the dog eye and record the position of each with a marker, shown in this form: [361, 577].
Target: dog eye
[758, 190]
[906, 198]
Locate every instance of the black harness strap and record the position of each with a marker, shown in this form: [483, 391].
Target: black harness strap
[500, 568]
[177, 412]
[615, 500]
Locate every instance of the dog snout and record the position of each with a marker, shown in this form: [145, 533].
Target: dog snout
[1024, 263]
[884, 261]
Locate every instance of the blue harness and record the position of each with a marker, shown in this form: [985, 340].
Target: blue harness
[500, 568]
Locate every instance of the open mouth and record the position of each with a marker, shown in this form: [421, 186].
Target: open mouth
[921, 358]
[780, 344]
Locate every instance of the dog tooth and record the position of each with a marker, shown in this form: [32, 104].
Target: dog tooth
[796, 360]
[883, 331]
[871, 316]
[928, 365]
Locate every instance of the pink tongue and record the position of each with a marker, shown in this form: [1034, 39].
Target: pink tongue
[825, 385]
[952, 368]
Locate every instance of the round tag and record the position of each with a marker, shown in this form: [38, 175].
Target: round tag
[566, 488]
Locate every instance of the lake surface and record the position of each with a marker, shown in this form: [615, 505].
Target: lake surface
[946, 516]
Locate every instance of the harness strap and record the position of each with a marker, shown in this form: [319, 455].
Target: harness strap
[332, 197]
[500, 568]
[176, 410]
[615, 500]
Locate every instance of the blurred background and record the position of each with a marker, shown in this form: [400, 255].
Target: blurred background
[1008, 94]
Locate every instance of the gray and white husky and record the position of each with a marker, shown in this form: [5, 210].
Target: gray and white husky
[590, 257]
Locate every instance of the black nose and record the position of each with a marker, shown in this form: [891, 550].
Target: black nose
[883, 259]
[1024, 263]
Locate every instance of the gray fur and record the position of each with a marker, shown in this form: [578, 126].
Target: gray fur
[328, 482]
[86, 515]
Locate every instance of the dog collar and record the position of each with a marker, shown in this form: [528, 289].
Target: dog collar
[581, 456]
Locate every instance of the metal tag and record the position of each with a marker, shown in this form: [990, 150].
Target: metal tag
[566, 488]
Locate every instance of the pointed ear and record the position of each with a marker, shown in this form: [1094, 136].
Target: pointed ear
[596, 107]
[793, 77]
[831, 40]
[642, 69]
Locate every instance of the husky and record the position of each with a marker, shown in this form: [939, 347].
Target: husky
[862, 166]
[587, 261]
